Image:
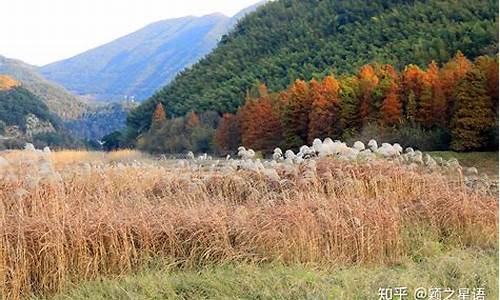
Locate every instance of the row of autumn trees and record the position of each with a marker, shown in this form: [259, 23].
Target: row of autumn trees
[458, 99]
[453, 106]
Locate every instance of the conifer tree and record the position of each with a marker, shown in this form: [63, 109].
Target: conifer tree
[159, 117]
[324, 120]
[412, 86]
[452, 73]
[349, 107]
[295, 116]
[192, 120]
[260, 125]
[473, 115]
[368, 80]
[227, 136]
[391, 107]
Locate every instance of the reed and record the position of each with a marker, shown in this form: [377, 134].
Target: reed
[95, 214]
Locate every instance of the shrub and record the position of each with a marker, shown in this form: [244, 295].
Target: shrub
[407, 135]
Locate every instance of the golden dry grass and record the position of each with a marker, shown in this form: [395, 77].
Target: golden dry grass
[79, 222]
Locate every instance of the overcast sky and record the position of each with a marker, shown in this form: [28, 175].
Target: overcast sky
[43, 31]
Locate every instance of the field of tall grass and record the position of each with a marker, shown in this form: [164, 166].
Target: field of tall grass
[73, 216]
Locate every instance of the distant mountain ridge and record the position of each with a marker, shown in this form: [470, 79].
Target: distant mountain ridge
[139, 63]
[59, 101]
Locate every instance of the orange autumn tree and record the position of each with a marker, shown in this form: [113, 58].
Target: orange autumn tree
[295, 114]
[432, 106]
[389, 90]
[159, 117]
[227, 136]
[324, 118]
[451, 73]
[412, 85]
[260, 125]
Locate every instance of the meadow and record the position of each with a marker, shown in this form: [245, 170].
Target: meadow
[125, 225]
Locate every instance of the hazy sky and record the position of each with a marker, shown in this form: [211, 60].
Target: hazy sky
[44, 31]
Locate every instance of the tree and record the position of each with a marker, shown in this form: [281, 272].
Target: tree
[412, 86]
[260, 125]
[451, 73]
[192, 120]
[295, 116]
[489, 66]
[159, 117]
[388, 90]
[349, 106]
[368, 80]
[432, 101]
[473, 116]
[324, 119]
[391, 107]
[227, 136]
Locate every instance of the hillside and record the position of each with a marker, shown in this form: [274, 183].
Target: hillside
[138, 64]
[24, 117]
[290, 39]
[22, 114]
[100, 120]
[58, 100]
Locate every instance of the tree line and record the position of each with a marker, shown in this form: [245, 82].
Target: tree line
[458, 99]
[440, 107]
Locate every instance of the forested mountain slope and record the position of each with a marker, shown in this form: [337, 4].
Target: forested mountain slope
[58, 100]
[138, 64]
[290, 39]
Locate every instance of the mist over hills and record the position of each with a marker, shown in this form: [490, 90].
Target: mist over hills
[138, 64]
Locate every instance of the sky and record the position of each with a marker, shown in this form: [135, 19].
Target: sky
[43, 31]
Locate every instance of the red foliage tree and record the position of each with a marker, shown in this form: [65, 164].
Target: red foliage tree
[451, 73]
[324, 119]
[227, 136]
[295, 114]
[260, 125]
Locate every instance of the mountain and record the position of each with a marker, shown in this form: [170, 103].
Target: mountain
[138, 64]
[24, 117]
[290, 39]
[58, 100]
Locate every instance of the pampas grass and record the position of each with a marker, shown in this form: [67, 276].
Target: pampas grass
[105, 214]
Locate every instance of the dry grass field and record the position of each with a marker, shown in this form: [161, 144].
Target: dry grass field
[71, 217]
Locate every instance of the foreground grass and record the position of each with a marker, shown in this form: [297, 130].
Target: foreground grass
[68, 218]
[454, 269]
[485, 162]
